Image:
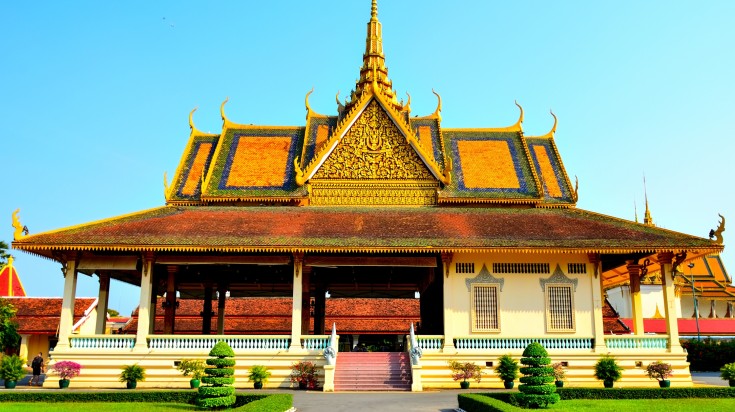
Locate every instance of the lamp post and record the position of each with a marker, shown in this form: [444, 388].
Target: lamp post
[694, 299]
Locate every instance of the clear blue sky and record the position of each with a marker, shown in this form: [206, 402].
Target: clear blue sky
[95, 96]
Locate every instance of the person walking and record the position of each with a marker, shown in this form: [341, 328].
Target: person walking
[38, 367]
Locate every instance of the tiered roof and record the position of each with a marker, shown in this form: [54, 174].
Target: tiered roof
[487, 189]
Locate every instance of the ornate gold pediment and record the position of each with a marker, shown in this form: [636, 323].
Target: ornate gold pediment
[373, 148]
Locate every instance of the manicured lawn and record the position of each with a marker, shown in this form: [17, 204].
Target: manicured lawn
[637, 405]
[95, 406]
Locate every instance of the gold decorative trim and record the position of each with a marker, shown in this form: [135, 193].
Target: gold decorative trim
[336, 249]
[373, 193]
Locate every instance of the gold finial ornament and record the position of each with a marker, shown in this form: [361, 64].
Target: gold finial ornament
[717, 233]
[647, 219]
[165, 181]
[191, 119]
[407, 106]
[520, 118]
[438, 105]
[300, 178]
[373, 60]
[225, 121]
[20, 231]
[306, 102]
[553, 128]
[575, 195]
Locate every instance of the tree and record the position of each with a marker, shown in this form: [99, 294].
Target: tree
[9, 337]
[4, 255]
[113, 313]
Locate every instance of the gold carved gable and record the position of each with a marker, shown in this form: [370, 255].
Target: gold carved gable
[374, 148]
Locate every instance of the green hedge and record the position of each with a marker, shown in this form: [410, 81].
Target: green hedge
[708, 354]
[645, 393]
[115, 396]
[244, 402]
[477, 402]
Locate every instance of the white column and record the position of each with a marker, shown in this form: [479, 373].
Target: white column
[298, 261]
[667, 283]
[23, 353]
[67, 306]
[597, 303]
[102, 302]
[448, 300]
[144, 310]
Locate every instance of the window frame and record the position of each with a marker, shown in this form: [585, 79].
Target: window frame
[474, 312]
[572, 312]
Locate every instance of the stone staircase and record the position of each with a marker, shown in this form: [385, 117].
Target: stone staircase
[372, 371]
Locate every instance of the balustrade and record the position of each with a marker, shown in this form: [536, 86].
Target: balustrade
[521, 343]
[636, 342]
[254, 342]
[430, 342]
[102, 342]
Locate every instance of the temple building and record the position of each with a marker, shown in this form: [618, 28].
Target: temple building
[478, 225]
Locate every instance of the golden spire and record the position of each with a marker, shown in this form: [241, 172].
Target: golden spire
[647, 219]
[373, 62]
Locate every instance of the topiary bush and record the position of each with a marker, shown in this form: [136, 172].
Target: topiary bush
[217, 391]
[536, 388]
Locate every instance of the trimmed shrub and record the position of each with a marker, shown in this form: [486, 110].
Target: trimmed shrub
[475, 402]
[220, 362]
[217, 392]
[535, 388]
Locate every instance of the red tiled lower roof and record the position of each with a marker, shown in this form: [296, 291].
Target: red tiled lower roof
[273, 316]
[42, 315]
[238, 229]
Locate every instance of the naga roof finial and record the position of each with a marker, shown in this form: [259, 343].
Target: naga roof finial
[306, 101]
[438, 105]
[222, 111]
[717, 234]
[19, 231]
[553, 128]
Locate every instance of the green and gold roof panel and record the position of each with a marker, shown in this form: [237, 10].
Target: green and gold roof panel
[550, 170]
[187, 183]
[255, 162]
[488, 164]
[318, 130]
[428, 132]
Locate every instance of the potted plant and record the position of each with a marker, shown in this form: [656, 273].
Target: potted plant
[259, 374]
[464, 371]
[660, 371]
[131, 374]
[66, 370]
[12, 369]
[507, 370]
[607, 370]
[727, 373]
[559, 374]
[193, 367]
[305, 374]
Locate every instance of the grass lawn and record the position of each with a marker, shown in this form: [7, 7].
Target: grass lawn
[95, 406]
[637, 405]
